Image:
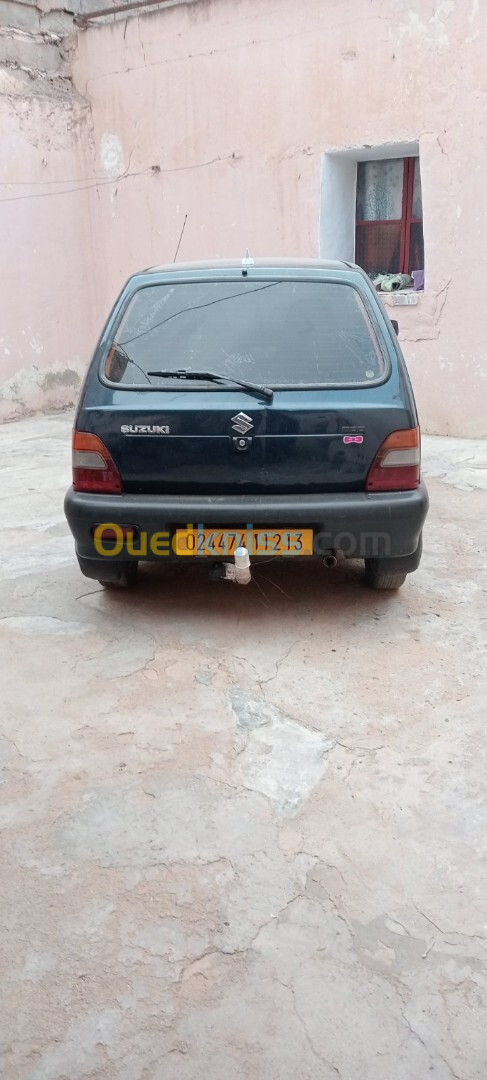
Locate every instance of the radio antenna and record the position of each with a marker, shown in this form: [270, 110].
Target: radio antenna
[180, 237]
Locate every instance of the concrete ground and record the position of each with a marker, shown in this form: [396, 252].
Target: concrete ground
[243, 829]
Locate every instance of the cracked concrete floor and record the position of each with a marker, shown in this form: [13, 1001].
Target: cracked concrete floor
[243, 832]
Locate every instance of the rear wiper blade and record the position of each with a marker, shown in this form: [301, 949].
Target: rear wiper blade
[213, 376]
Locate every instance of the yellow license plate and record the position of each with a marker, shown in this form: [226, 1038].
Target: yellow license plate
[224, 542]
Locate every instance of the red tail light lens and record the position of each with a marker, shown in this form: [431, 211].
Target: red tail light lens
[396, 463]
[93, 466]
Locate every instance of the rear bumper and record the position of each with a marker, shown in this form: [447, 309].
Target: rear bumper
[361, 525]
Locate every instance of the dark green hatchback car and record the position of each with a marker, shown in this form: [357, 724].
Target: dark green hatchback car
[261, 405]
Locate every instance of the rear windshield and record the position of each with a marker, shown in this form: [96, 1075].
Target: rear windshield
[272, 332]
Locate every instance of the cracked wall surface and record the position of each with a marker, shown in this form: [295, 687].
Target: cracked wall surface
[223, 111]
[243, 830]
[46, 261]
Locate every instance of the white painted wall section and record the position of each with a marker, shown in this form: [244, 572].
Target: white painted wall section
[337, 216]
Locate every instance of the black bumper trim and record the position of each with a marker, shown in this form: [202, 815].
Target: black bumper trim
[396, 516]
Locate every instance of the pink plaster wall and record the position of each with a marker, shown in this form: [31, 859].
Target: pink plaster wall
[46, 312]
[236, 101]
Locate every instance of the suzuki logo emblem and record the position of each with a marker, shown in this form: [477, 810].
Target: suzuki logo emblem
[242, 423]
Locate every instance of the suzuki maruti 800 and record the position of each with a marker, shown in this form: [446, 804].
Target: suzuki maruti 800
[263, 405]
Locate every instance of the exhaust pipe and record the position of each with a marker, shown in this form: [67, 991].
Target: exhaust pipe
[329, 561]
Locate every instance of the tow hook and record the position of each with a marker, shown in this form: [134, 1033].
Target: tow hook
[238, 571]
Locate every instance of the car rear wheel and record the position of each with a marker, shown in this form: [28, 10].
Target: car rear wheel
[391, 573]
[377, 579]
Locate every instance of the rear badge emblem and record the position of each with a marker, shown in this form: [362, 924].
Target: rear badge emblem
[353, 438]
[242, 423]
[144, 429]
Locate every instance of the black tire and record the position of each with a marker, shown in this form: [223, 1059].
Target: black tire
[126, 580]
[377, 580]
[391, 573]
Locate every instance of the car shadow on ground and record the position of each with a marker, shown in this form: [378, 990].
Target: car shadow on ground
[277, 590]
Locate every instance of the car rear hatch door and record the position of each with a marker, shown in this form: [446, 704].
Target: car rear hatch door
[336, 393]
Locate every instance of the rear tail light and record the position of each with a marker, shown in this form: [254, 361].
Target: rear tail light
[396, 463]
[93, 466]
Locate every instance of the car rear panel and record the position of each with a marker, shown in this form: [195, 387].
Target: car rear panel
[305, 441]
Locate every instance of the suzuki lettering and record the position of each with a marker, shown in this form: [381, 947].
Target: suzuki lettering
[144, 429]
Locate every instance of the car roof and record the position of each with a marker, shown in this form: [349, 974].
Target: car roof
[236, 264]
